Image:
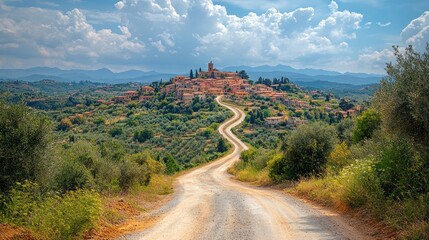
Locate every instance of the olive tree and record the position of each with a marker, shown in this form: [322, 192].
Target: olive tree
[24, 140]
[307, 150]
[403, 96]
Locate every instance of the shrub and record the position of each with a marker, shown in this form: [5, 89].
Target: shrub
[366, 124]
[65, 125]
[361, 184]
[339, 157]
[307, 150]
[148, 165]
[24, 140]
[67, 216]
[141, 135]
[52, 216]
[115, 132]
[221, 145]
[130, 174]
[171, 165]
[402, 171]
[72, 175]
[99, 120]
[248, 155]
[345, 129]
[112, 150]
[106, 176]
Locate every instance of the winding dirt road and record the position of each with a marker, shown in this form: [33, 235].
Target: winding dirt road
[209, 204]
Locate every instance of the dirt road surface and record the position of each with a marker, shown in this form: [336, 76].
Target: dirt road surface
[209, 204]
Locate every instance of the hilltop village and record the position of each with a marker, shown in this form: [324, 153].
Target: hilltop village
[214, 82]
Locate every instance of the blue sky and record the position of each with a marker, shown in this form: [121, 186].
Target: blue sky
[176, 35]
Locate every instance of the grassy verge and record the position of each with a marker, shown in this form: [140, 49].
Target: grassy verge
[125, 213]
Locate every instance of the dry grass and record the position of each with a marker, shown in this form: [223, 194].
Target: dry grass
[251, 175]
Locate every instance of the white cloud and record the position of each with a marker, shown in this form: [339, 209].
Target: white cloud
[119, 5]
[177, 34]
[383, 24]
[53, 36]
[200, 30]
[374, 61]
[333, 6]
[417, 32]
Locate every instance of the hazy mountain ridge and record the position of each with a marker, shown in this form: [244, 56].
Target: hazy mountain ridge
[307, 74]
[105, 75]
[102, 75]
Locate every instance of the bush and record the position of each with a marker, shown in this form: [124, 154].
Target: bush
[148, 165]
[361, 185]
[65, 125]
[52, 216]
[171, 165]
[24, 141]
[339, 157]
[402, 171]
[73, 175]
[115, 132]
[141, 135]
[366, 124]
[345, 129]
[130, 174]
[106, 176]
[67, 216]
[307, 150]
[112, 150]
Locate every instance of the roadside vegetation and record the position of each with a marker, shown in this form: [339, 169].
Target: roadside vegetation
[376, 164]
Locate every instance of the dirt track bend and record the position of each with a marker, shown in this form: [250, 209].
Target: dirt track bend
[209, 204]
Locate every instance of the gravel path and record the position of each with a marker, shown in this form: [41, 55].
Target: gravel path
[209, 204]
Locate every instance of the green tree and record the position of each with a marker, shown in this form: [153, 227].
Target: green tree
[366, 124]
[191, 74]
[115, 132]
[306, 153]
[171, 165]
[345, 130]
[65, 125]
[243, 74]
[141, 135]
[24, 141]
[221, 145]
[345, 104]
[403, 98]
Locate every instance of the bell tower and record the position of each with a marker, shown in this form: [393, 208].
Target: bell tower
[210, 69]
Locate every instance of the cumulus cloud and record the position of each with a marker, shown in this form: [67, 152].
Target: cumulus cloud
[417, 32]
[376, 60]
[47, 35]
[199, 30]
[178, 34]
[119, 5]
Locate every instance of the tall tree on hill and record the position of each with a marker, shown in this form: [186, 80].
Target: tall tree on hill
[403, 96]
[191, 74]
[24, 141]
[243, 74]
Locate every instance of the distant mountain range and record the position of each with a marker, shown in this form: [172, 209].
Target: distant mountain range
[104, 75]
[307, 74]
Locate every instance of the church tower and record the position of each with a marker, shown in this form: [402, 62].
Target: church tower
[210, 67]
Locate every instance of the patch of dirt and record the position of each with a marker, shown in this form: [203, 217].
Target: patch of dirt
[125, 214]
[8, 232]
